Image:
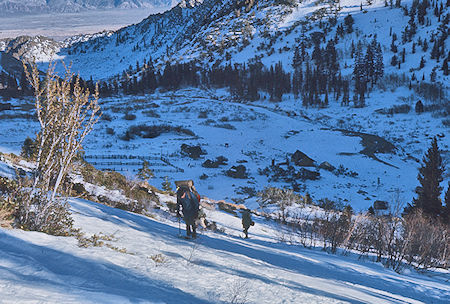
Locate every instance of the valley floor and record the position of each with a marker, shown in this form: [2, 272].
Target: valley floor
[61, 26]
[152, 264]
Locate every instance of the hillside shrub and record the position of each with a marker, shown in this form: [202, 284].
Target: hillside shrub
[153, 131]
[397, 109]
[129, 116]
[110, 131]
[34, 211]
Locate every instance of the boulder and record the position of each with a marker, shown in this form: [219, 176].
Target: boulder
[301, 159]
[221, 160]
[327, 166]
[305, 174]
[194, 152]
[237, 172]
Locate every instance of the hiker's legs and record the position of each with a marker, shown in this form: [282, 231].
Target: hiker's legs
[246, 232]
[194, 231]
[188, 230]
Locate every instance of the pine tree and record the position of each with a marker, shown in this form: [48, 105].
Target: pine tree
[379, 64]
[353, 50]
[331, 58]
[394, 60]
[445, 67]
[297, 82]
[369, 63]
[419, 107]
[430, 177]
[349, 21]
[145, 173]
[393, 45]
[359, 74]
[297, 60]
[317, 55]
[422, 11]
[167, 185]
[435, 50]
[422, 63]
[412, 25]
[425, 45]
[28, 149]
[446, 208]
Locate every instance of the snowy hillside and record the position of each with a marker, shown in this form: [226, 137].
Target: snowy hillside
[219, 32]
[253, 135]
[143, 260]
[333, 103]
[373, 152]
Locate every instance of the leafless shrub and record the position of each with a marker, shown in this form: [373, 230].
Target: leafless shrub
[334, 227]
[66, 113]
[38, 212]
[238, 292]
[426, 241]
[396, 241]
[159, 259]
[305, 227]
[192, 253]
[283, 198]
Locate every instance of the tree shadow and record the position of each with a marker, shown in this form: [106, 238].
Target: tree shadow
[286, 283]
[65, 272]
[315, 264]
[369, 278]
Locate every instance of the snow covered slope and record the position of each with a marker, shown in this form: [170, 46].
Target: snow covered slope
[218, 32]
[252, 135]
[144, 261]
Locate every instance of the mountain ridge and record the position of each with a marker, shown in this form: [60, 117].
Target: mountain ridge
[65, 6]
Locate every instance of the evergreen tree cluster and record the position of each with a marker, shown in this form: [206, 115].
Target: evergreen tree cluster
[420, 15]
[368, 68]
[10, 86]
[244, 81]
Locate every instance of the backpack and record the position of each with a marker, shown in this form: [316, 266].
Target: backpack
[190, 202]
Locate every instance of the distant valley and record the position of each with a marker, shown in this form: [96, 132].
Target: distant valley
[63, 25]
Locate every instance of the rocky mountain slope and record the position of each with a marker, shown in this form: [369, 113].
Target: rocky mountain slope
[218, 32]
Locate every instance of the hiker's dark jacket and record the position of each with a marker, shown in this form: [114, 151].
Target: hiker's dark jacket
[246, 219]
[189, 202]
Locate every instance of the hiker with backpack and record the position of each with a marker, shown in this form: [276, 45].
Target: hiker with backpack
[188, 200]
[247, 221]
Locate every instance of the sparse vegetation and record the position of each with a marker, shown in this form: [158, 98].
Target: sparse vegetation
[154, 131]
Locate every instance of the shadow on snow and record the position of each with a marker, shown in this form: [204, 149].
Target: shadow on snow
[323, 267]
[84, 274]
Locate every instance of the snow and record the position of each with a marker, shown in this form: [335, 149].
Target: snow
[262, 131]
[35, 267]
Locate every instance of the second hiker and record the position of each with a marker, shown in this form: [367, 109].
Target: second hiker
[247, 221]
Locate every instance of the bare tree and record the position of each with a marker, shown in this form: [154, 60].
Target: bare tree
[427, 241]
[66, 112]
[283, 198]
